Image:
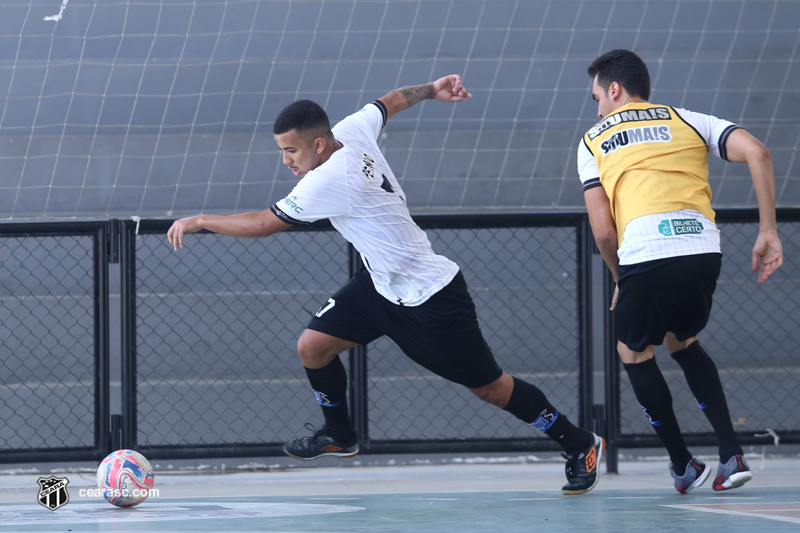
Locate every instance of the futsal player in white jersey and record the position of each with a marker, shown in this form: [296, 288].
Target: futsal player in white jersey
[407, 292]
[644, 169]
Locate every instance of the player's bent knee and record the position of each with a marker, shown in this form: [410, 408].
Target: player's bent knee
[488, 395]
[673, 345]
[498, 392]
[312, 354]
[319, 349]
[494, 393]
[314, 359]
[630, 357]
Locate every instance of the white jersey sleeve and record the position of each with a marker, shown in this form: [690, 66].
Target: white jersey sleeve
[713, 130]
[321, 194]
[588, 170]
[368, 121]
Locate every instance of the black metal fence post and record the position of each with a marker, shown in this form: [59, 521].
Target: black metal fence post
[103, 255]
[128, 334]
[612, 405]
[359, 409]
[584, 245]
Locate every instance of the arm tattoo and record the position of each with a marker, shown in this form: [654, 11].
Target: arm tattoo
[416, 93]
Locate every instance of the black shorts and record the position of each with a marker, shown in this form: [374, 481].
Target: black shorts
[442, 334]
[672, 294]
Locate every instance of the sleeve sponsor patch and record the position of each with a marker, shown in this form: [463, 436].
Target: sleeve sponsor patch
[284, 210]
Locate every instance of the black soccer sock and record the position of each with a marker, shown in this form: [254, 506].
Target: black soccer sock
[329, 384]
[703, 379]
[655, 399]
[530, 405]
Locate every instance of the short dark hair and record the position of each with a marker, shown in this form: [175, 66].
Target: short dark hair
[303, 116]
[623, 67]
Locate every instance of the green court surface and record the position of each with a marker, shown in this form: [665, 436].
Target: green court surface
[430, 495]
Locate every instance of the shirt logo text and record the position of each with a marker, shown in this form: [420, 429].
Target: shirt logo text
[632, 115]
[369, 167]
[632, 136]
[292, 205]
[684, 226]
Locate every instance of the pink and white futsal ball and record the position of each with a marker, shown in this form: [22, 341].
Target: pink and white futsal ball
[125, 478]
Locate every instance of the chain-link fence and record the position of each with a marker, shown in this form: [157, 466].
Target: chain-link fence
[53, 340]
[217, 328]
[207, 337]
[218, 322]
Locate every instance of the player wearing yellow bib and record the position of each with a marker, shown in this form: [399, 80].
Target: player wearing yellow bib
[644, 169]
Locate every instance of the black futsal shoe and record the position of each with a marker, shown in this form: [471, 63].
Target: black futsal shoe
[583, 468]
[319, 445]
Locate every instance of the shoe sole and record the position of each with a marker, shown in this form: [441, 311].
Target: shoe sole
[600, 451]
[734, 481]
[699, 481]
[343, 455]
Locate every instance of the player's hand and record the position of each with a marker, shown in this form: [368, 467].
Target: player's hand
[449, 89]
[614, 297]
[180, 228]
[767, 255]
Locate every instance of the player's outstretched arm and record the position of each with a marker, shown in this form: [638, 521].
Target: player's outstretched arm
[767, 252]
[254, 224]
[445, 89]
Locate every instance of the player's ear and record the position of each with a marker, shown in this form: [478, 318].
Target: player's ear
[319, 145]
[614, 90]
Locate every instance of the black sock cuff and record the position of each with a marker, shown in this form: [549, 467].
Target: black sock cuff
[515, 404]
[644, 366]
[329, 383]
[693, 350]
[334, 366]
[530, 405]
[525, 402]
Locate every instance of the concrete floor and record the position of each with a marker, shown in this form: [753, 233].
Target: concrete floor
[409, 493]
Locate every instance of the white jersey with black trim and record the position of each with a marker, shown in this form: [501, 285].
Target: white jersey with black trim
[658, 235]
[356, 190]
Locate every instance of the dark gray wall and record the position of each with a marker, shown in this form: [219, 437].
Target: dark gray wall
[165, 108]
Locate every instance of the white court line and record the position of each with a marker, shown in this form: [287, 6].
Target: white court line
[335, 498]
[60, 12]
[696, 507]
[32, 515]
[635, 497]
